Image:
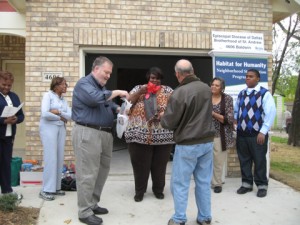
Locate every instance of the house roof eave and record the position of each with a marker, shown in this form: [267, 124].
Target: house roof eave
[18, 5]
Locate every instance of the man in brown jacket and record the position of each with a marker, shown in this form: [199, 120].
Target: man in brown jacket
[188, 113]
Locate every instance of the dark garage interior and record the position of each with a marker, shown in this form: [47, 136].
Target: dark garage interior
[130, 70]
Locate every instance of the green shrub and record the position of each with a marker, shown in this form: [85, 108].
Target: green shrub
[8, 202]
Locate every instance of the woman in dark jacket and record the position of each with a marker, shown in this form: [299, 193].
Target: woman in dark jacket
[8, 129]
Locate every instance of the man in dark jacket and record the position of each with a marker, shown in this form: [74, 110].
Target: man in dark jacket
[189, 114]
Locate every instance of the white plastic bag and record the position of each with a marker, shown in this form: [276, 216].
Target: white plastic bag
[122, 117]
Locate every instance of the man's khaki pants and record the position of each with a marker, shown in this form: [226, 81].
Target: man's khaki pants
[93, 151]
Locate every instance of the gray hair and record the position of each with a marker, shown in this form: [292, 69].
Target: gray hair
[99, 61]
[184, 67]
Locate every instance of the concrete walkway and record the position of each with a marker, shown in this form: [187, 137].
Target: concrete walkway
[280, 206]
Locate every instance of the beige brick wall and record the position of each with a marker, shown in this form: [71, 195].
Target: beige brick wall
[233, 164]
[11, 48]
[56, 31]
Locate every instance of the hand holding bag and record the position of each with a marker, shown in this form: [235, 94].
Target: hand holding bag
[122, 118]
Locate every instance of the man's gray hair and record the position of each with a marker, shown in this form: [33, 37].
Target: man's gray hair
[184, 67]
[99, 61]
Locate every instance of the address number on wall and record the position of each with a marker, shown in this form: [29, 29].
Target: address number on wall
[48, 76]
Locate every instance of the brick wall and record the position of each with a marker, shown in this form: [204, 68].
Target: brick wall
[57, 30]
[11, 48]
[233, 164]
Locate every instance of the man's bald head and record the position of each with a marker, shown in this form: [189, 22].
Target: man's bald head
[184, 67]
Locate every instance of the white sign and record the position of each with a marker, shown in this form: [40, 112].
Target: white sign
[238, 41]
[48, 76]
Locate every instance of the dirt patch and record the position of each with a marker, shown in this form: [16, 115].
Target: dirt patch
[20, 216]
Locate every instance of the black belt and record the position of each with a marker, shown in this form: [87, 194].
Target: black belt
[106, 129]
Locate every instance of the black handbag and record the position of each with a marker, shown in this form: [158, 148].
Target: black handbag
[68, 184]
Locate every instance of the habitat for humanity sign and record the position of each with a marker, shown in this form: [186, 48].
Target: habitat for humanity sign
[233, 70]
[233, 54]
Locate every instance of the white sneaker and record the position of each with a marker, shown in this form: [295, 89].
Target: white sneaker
[46, 196]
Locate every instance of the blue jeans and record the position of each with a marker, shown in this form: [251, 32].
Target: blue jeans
[188, 160]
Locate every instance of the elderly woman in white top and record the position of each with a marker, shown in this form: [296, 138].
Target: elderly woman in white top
[55, 113]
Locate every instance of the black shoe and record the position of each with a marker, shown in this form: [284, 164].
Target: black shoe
[100, 211]
[261, 193]
[243, 190]
[218, 189]
[59, 192]
[172, 222]
[206, 222]
[91, 220]
[159, 195]
[138, 198]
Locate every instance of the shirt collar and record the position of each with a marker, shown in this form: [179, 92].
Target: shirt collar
[3, 95]
[256, 89]
[96, 81]
[60, 97]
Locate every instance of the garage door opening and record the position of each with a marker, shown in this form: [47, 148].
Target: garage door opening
[130, 70]
[126, 67]
[128, 78]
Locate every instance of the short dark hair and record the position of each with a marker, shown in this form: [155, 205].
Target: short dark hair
[222, 82]
[101, 60]
[55, 82]
[5, 75]
[254, 71]
[155, 71]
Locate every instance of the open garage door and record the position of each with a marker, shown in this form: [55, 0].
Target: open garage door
[130, 70]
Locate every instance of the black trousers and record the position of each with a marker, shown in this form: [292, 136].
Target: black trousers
[146, 159]
[6, 147]
[249, 153]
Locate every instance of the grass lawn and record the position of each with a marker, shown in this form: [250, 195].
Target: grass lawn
[285, 162]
